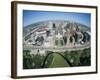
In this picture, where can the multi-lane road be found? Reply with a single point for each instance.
(55, 49)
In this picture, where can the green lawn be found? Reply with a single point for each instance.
(58, 61)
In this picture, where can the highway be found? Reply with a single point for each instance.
(56, 49)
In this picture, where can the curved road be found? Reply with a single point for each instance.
(55, 49)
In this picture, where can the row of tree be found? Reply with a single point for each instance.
(34, 61)
(73, 58)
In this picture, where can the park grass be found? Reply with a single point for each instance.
(58, 61)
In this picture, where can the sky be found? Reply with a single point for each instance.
(31, 17)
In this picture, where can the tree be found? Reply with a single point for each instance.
(85, 59)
